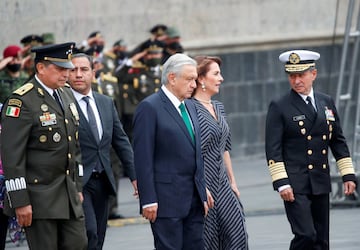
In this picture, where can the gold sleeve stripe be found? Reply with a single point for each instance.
(277, 170)
(345, 166)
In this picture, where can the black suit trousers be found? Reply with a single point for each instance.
(96, 207)
(309, 219)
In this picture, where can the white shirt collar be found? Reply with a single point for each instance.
(174, 100)
(311, 94)
(79, 96)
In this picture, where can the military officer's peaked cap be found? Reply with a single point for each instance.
(58, 54)
(95, 34)
(158, 30)
(297, 61)
(31, 39)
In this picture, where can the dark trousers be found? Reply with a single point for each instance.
(181, 233)
(96, 207)
(309, 219)
(57, 234)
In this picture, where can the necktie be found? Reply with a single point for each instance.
(57, 99)
(91, 119)
(187, 121)
(310, 105)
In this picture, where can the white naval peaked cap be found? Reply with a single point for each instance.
(297, 61)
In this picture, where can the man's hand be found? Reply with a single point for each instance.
(24, 215)
(81, 197)
(287, 194)
(210, 199)
(349, 187)
(5, 62)
(210, 202)
(136, 192)
(150, 213)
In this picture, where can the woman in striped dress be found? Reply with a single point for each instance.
(225, 223)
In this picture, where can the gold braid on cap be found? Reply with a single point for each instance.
(295, 65)
(277, 170)
(298, 67)
(345, 166)
(46, 58)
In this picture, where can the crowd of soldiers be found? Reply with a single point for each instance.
(126, 76)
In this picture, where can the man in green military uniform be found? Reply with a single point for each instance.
(11, 75)
(41, 160)
(139, 78)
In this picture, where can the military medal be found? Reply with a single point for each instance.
(44, 107)
(329, 114)
(47, 119)
(56, 137)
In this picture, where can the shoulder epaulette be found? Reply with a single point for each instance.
(24, 89)
(67, 85)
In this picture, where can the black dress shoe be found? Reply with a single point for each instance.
(115, 216)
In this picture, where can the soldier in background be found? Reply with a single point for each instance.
(11, 74)
(172, 43)
(93, 45)
(122, 55)
(158, 33)
(139, 78)
(29, 42)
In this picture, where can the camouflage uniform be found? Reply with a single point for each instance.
(8, 84)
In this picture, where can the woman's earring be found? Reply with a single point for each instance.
(203, 86)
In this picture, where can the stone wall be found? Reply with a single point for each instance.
(207, 25)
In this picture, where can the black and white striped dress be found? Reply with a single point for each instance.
(225, 223)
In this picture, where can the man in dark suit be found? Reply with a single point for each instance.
(99, 129)
(300, 128)
(168, 163)
(41, 159)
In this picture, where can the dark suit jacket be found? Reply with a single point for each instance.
(41, 146)
(168, 165)
(113, 135)
(301, 143)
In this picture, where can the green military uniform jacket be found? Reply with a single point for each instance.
(41, 152)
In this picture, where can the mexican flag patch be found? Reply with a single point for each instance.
(12, 111)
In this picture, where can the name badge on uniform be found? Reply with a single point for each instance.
(298, 118)
(329, 114)
(48, 119)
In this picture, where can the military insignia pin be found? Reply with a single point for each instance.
(56, 137)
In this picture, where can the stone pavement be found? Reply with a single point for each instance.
(266, 222)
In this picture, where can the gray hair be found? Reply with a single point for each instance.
(174, 65)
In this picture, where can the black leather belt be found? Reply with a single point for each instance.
(97, 175)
